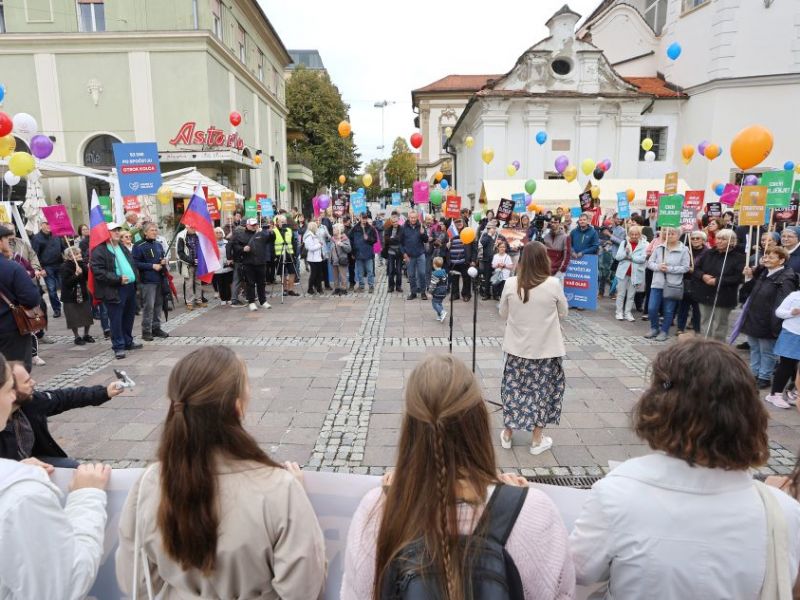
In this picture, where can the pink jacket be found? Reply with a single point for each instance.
(538, 545)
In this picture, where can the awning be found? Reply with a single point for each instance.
(195, 157)
(184, 182)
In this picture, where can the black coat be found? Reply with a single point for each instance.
(262, 246)
(106, 280)
(47, 404)
(70, 282)
(48, 248)
(710, 263)
(766, 294)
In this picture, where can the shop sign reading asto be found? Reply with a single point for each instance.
(212, 137)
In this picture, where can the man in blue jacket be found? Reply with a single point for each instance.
(362, 239)
(412, 245)
(151, 262)
(584, 239)
(49, 249)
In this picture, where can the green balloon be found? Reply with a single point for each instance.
(476, 216)
(283, 188)
(530, 186)
(436, 197)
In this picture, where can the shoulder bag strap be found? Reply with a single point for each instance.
(138, 548)
(777, 578)
(7, 301)
(502, 511)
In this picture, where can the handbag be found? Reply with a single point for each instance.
(672, 291)
(497, 277)
(28, 320)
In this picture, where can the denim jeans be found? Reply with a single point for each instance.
(657, 301)
(416, 274)
(121, 314)
(151, 307)
(100, 312)
(52, 280)
(762, 358)
(365, 270)
(436, 303)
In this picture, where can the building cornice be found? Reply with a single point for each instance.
(737, 82)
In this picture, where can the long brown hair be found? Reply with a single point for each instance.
(202, 424)
(533, 268)
(445, 439)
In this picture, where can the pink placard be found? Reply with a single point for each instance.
(730, 194)
(59, 221)
(422, 192)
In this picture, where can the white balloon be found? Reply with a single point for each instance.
(25, 126)
(649, 156)
(11, 179)
(472, 272)
(34, 176)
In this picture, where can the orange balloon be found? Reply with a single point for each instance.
(751, 146)
(630, 195)
(688, 152)
(342, 179)
(467, 235)
(344, 129)
(713, 151)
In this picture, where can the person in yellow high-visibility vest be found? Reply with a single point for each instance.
(284, 254)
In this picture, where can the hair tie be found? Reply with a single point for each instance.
(178, 406)
(667, 384)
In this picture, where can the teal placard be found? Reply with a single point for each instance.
(669, 210)
(779, 188)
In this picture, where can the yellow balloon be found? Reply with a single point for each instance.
(595, 191)
(487, 155)
(258, 160)
(8, 144)
(571, 173)
(511, 170)
(164, 194)
(587, 166)
(342, 179)
(797, 169)
(21, 164)
(438, 176)
(647, 144)
(367, 180)
(469, 142)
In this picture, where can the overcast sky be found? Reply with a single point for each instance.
(382, 50)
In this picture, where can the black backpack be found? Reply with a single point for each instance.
(492, 574)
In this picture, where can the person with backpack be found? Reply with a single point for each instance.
(447, 498)
(439, 288)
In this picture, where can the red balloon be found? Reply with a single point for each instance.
(235, 118)
(416, 140)
(6, 124)
(603, 167)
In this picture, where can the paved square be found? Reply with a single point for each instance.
(327, 378)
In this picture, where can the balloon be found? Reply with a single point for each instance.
(361, 191)
(604, 164)
(34, 176)
(562, 162)
(595, 192)
(2, 92)
(444, 183)
(674, 51)
(797, 169)
(587, 166)
(517, 165)
(436, 197)
(438, 176)
(467, 235)
(750, 180)
(511, 171)
(687, 152)
(344, 129)
(469, 142)
(788, 166)
(366, 180)
(6, 124)
(650, 156)
(630, 195)
(712, 151)
(541, 137)
(324, 201)
(164, 194)
(235, 118)
(42, 146)
(24, 125)
(342, 179)
(571, 173)
(283, 187)
(598, 173)
(647, 144)
(8, 144)
(487, 155)
(751, 146)
(531, 208)
(257, 159)
(11, 179)
(701, 147)
(719, 189)
(530, 186)
(21, 163)
(416, 140)
(448, 131)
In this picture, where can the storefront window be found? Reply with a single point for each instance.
(99, 154)
(91, 15)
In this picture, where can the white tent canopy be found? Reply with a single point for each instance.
(184, 182)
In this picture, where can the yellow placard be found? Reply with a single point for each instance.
(4, 216)
(671, 183)
(752, 210)
(228, 201)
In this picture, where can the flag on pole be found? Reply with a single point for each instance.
(98, 234)
(198, 218)
(452, 231)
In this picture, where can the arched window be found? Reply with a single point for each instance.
(99, 154)
(19, 191)
(277, 185)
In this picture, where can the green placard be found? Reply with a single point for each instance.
(669, 210)
(779, 188)
(105, 206)
(250, 209)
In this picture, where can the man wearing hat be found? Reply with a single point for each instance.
(249, 249)
(115, 285)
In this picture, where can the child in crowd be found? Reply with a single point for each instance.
(605, 260)
(502, 265)
(438, 288)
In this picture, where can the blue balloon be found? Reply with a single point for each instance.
(674, 50)
(788, 166)
(444, 184)
(719, 189)
(541, 137)
(2, 92)
(360, 191)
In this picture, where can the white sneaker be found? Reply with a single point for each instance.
(629, 317)
(619, 316)
(542, 446)
(253, 306)
(505, 442)
(774, 399)
(444, 314)
(266, 305)
(38, 361)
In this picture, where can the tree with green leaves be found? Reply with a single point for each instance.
(374, 168)
(401, 170)
(316, 108)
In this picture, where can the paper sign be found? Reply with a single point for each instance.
(59, 221)
(688, 220)
(669, 211)
(671, 183)
(422, 192)
(730, 194)
(694, 199)
(753, 206)
(105, 206)
(138, 168)
(779, 188)
(652, 198)
(580, 282)
(5, 213)
(250, 209)
(788, 215)
(714, 210)
(623, 206)
(212, 203)
(359, 203)
(131, 204)
(396, 198)
(519, 203)
(228, 201)
(452, 207)
(504, 209)
(586, 200)
(267, 208)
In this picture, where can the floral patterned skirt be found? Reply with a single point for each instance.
(532, 392)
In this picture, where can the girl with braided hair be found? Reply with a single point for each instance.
(436, 497)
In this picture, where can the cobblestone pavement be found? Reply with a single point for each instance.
(327, 378)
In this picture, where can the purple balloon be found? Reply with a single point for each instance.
(562, 162)
(701, 147)
(41, 146)
(607, 163)
(751, 180)
(516, 164)
(324, 201)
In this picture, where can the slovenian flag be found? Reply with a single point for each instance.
(98, 234)
(198, 218)
(452, 231)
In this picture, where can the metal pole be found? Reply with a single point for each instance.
(453, 274)
(474, 319)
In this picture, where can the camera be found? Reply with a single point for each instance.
(124, 380)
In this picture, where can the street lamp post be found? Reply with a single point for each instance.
(382, 105)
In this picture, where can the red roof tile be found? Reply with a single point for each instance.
(458, 83)
(655, 86)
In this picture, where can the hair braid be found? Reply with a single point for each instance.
(443, 508)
